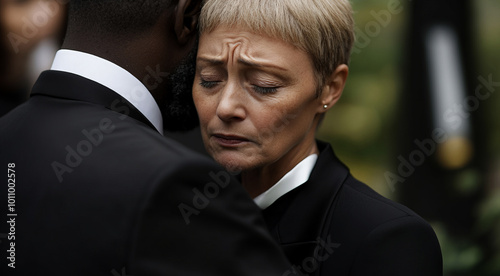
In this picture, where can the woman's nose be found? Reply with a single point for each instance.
(231, 105)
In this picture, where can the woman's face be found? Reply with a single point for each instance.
(256, 99)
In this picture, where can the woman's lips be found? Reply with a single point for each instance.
(228, 140)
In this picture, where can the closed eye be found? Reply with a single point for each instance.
(265, 90)
(208, 84)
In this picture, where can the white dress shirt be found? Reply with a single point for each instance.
(113, 77)
(293, 179)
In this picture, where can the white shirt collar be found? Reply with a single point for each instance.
(113, 77)
(293, 179)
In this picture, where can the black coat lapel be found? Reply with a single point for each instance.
(73, 87)
(298, 219)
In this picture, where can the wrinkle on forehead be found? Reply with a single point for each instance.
(230, 47)
(235, 47)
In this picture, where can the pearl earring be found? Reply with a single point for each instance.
(325, 106)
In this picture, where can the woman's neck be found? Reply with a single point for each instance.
(259, 180)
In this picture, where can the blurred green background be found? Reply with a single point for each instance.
(362, 127)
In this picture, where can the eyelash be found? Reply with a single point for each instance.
(256, 88)
(264, 90)
(208, 84)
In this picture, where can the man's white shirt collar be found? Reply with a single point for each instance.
(293, 179)
(113, 77)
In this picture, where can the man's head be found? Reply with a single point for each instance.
(116, 17)
(139, 35)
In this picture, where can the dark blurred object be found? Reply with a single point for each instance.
(31, 32)
(440, 171)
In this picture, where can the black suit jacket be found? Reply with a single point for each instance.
(336, 225)
(98, 191)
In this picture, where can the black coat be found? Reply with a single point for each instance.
(336, 225)
(100, 192)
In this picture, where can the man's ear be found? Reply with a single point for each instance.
(334, 86)
(187, 13)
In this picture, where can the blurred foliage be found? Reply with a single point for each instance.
(488, 14)
(362, 125)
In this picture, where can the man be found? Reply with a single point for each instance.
(93, 188)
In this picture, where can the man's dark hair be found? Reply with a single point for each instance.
(115, 17)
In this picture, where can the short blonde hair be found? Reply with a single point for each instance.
(321, 28)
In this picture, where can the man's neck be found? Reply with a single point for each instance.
(137, 57)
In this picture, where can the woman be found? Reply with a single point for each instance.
(267, 72)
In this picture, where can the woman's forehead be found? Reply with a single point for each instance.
(248, 48)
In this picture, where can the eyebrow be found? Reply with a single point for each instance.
(215, 61)
(211, 60)
(253, 64)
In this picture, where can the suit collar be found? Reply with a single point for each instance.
(290, 181)
(300, 216)
(73, 87)
(113, 77)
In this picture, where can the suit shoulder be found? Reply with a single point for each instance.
(404, 237)
(149, 146)
(371, 208)
(365, 224)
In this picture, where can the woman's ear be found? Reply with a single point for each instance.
(333, 87)
(187, 13)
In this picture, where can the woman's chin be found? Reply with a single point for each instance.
(232, 162)
(233, 166)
